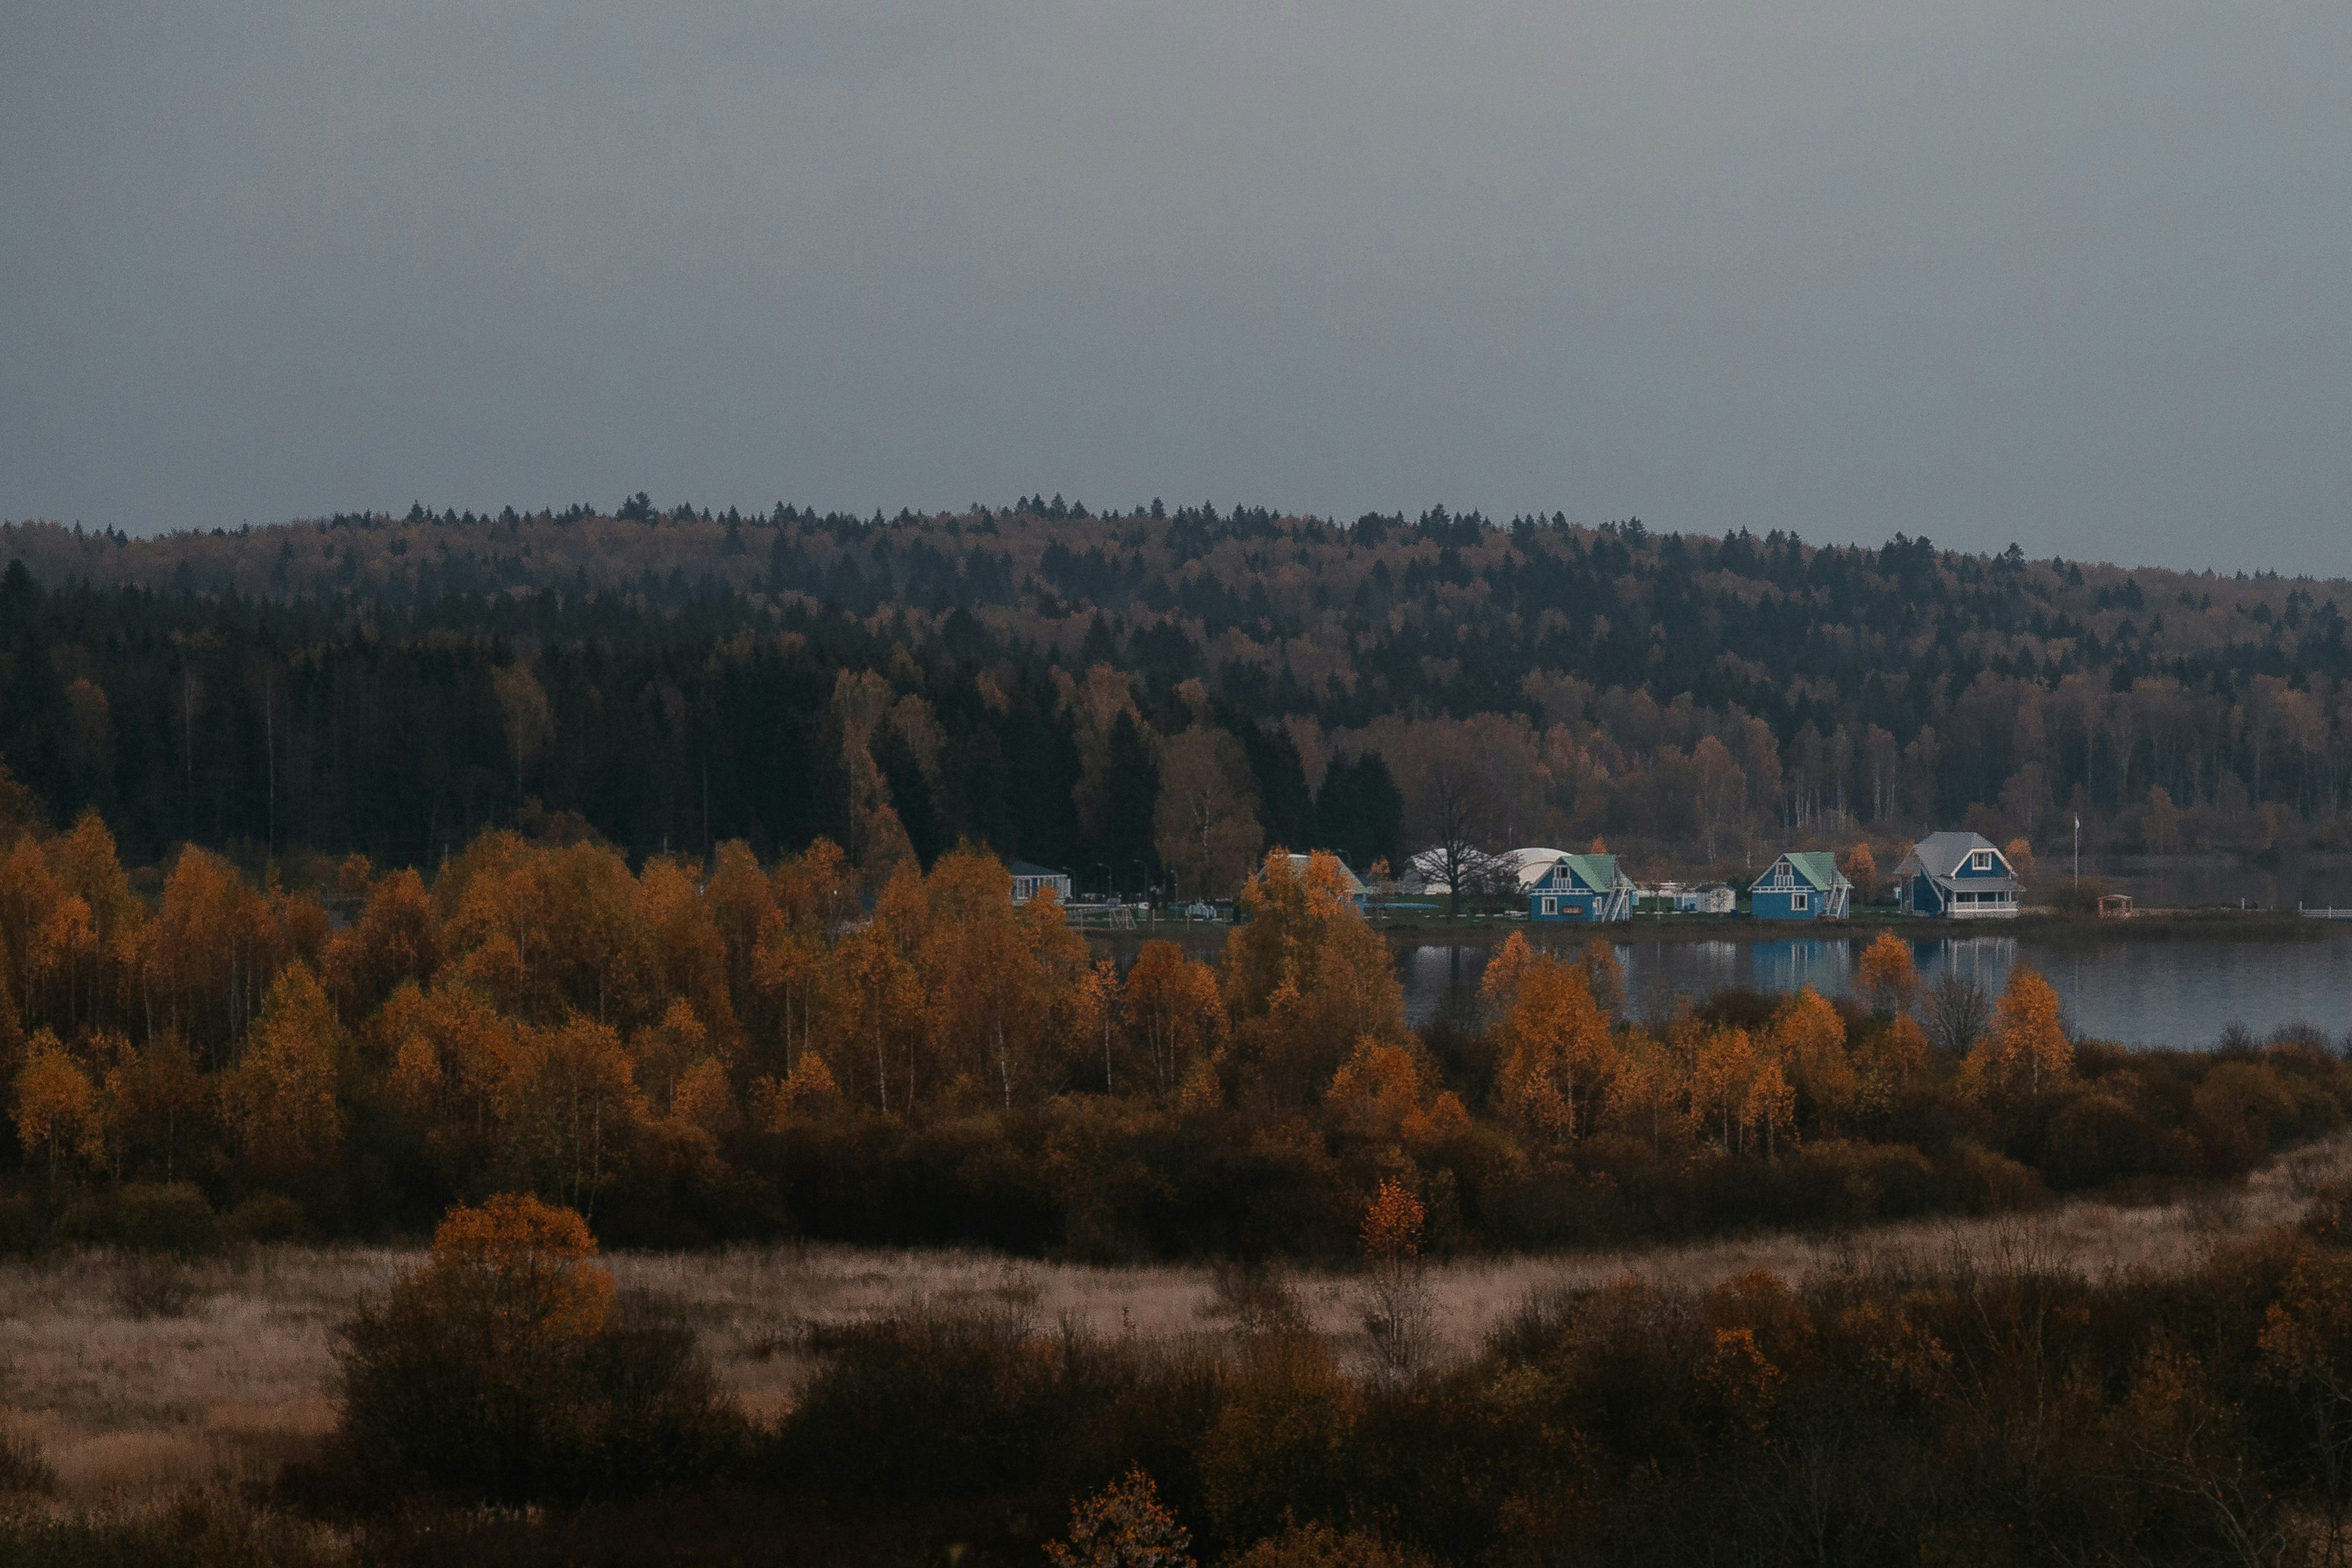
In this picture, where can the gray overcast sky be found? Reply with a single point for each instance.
(2074, 275)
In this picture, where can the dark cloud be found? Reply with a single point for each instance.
(2071, 274)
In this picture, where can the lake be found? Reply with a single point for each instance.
(2169, 992)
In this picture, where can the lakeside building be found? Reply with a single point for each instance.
(1802, 884)
(1029, 881)
(1582, 887)
(1956, 876)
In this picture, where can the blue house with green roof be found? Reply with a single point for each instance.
(1802, 884)
(1582, 887)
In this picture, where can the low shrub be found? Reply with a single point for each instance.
(506, 1369)
(983, 1402)
(173, 1219)
(267, 1217)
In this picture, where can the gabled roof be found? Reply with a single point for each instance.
(1023, 868)
(1941, 856)
(1598, 872)
(1817, 869)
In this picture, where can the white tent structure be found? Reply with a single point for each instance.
(1532, 863)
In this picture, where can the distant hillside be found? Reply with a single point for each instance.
(1684, 693)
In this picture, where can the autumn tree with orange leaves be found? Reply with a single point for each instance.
(1304, 978)
(1884, 976)
(1174, 1009)
(280, 1099)
(2025, 1055)
(1557, 1050)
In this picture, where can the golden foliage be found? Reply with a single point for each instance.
(1557, 1047)
(1861, 869)
(1720, 1077)
(1393, 1222)
(1884, 976)
(2026, 1054)
(1807, 1039)
(280, 1100)
(1304, 978)
(526, 1265)
(808, 1089)
(56, 1106)
(1125, 1525)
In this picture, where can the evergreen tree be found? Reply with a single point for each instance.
(1286, 807)
(1361, 812)
(1132, 778)
(910, 793)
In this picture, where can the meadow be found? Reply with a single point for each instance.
(222, 1387)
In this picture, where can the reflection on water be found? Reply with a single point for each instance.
(2173, 992)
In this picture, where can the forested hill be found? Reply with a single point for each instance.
(674, 674)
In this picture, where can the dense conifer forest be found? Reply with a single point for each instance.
(1068, 688)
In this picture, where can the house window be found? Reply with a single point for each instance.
(1980, 860)
(1552, 906)
(1797, 902)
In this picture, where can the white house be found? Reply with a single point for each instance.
(1029, 881)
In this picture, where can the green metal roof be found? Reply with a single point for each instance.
(1818, 867)
(1598, 872)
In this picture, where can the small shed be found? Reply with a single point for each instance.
(1802, 884)
(2115, 906)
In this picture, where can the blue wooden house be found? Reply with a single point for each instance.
(1802, 884)
(1582, 887)
(1956, 876)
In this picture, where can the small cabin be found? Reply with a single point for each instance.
(2115, 906)
(1029, 881)
(1582, 887)
(1802, 884)
(1956, 876)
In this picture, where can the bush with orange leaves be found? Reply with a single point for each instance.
(506, 1368)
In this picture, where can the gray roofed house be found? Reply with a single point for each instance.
(1956, 876)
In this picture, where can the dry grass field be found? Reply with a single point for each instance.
(133, 1407)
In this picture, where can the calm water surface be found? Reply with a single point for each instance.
(2154, 993)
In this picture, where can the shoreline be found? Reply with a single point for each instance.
(2048, 926)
